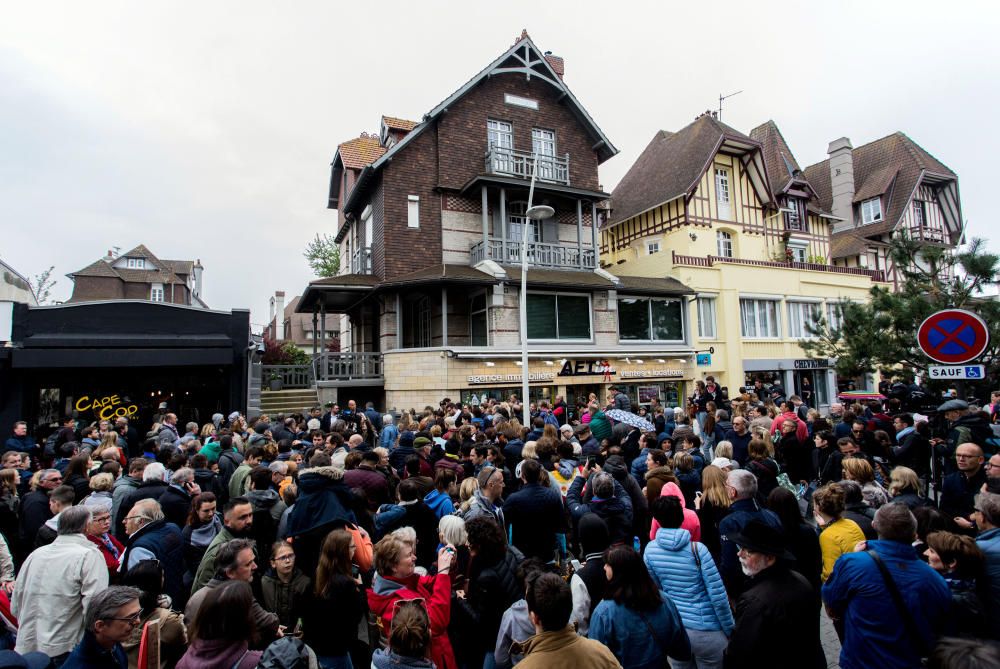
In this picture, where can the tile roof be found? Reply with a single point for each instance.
(162, 271)
(398, 123)
(180, 266)
(368, 280)
(97, 268)
(361, 152)
(653, 285)
(670, 166)
(778, 158)
(890, 167)
(442, 273)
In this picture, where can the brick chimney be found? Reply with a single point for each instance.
(557, 63)
(842, 182)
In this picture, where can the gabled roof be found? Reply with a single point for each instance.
(782, 169)
(522, 57)
(891, 168)
(672, 165)
(360, 152)
(162, 271)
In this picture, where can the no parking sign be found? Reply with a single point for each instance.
(953, 336)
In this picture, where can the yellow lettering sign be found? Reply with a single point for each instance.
(106, 408)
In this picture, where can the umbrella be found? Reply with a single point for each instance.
(629, 418)
(860, 395)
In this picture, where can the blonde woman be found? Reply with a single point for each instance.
(860, 470)
(467, 493)
(905, 488)
(712, 505)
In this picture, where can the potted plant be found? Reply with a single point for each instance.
(274, 381)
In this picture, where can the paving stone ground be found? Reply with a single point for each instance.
(831, 644)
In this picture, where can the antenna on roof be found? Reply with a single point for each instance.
(723, 97)
(118, 250)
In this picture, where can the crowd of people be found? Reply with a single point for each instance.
(456, 537)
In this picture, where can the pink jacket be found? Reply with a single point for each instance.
(691, 522)
(801, 429)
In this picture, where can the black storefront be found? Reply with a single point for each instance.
(107, 359)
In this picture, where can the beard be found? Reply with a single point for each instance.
(749, 569)
(245, 533)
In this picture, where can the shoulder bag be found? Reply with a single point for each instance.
(904, 613)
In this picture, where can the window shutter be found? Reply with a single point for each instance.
(550, 231)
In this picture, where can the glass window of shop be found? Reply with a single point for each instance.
(766, 375)
(474, 396)
(643, 319)
(669, 393)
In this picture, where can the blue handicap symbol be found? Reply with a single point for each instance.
(949, 335)
(972, 372)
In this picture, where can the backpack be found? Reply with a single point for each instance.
(50, 446)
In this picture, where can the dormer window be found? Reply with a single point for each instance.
(135, 263)
(871, 211)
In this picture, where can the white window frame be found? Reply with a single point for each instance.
(649, 308)
(413, 211)
(799, 249)
(798, 312)
(707, 323)
(156, 293)
(834, 317)
(723, 193)
(590, 313)
(871, 211)
(135, 263)
(795, 221)
(724, 244)
(652, 247)
(763, 314)
(919, 219)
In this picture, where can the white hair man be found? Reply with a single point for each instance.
(55, 586)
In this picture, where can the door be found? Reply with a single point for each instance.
(543, 144)
(722, 194)
(500, 135)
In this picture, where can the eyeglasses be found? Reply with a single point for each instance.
(400, 603)
(965, 456)
(131, 620)
(285, 558)
(990, 465)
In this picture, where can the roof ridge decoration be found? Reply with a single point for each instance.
(529, 60)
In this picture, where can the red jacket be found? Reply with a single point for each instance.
(436, 593)
(109, 558)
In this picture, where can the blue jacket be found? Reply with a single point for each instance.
(440, 503)
(638, 468)
(88, 654)
(989, 543)
(874, 634)
(25, 444)
(699, 594)
(534, 515)
(387, 438)
(626, 633)
(741, 512)
(741, 445)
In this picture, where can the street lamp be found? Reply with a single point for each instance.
(533, 213)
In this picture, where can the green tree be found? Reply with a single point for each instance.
(323, 256)
(882, 333)
(42, 285)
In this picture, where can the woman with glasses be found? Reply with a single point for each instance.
(223, 630)
(99, 533)
(147, 578)
(336, 606)
(283, 586)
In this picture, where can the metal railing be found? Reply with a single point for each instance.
(346, 366)
(709, 261)
(552, 256)
(519, 164)
(361, 261)
(291, 376)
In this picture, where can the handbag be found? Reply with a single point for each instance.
(363, 550)
(904, 613)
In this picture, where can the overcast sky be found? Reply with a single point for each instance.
(205, 130)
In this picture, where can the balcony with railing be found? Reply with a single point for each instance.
(510, 162)
(549, 256)
(710, 261)
(348, 366)
(361, 261)
(922, 233)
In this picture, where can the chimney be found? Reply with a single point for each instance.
(557, 63)
(278, 307)
(197, 269)
(842, 182)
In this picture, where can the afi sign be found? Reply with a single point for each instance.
(953, 336)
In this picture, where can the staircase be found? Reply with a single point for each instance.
(288, 401)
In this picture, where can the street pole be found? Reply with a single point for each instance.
(532, 213)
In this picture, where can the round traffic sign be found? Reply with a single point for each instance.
(953, 336)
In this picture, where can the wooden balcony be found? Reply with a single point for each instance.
(510, 162)
(549, 256)
(920, 233)
(336, 367)
(710, 261)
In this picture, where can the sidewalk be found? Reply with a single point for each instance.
(831, 644)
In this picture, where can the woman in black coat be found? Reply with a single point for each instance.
(491, 589)
(801, 537)
(76, 476)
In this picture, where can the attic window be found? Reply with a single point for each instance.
(518, 101)
(871, 211)
(135, 263)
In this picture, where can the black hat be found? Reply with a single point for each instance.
(760, 537)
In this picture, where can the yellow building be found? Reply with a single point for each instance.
(732, 217)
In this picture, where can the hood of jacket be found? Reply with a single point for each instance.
(675, 539)
(262, 499)
(203, 535)
(324, 499)
(616, 467)
(672, 489)
(386, 659)
(546, 642)
(663, 472)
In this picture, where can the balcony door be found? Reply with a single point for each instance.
(543, 144)
(500, 135)
(516, 222)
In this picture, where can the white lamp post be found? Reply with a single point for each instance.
(533, 213)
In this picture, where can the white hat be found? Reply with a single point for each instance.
(723, 463)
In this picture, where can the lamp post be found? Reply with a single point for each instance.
(533, 213)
